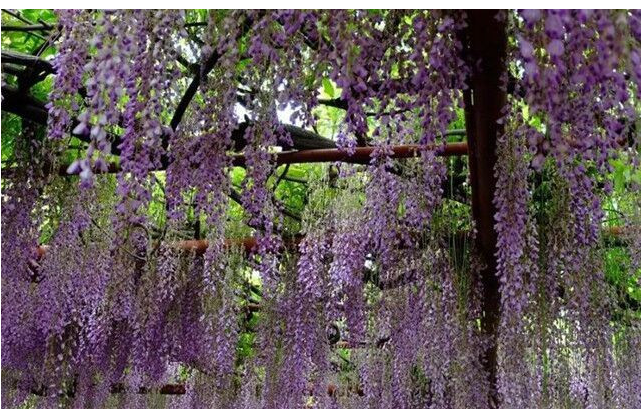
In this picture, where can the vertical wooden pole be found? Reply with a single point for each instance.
(485, 47)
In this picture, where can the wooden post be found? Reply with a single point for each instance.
(485, 48)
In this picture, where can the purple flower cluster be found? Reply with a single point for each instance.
(580, 86)
(375, 306)
(72, 53)
(199, 155)
(148, 87)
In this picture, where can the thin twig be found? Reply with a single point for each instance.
(295, 179)
(207, 66)
(280, 178)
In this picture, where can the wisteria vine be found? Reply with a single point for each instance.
(122, 290)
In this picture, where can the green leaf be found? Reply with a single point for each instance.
(328, 88)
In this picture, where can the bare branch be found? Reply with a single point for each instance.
(26, 29)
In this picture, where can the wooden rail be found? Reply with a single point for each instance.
(362, 155)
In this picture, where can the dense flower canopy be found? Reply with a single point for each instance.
(150, 255)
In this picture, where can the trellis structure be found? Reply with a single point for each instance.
(485, 41)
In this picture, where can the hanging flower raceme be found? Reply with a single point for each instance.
(23, 341)
(72, 53)
(306, 318)
(513, 264)
(148, 88)
(573, 77)
(571, 92)
(199, 158)
(107, 71)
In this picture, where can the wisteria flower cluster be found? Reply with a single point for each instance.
(128, 280)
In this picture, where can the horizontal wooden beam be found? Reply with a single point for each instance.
(362, 155)
(199, 246)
